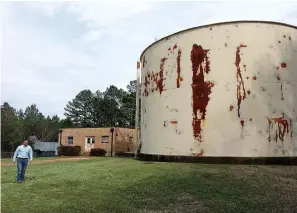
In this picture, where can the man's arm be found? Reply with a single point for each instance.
(31, 154)
(15, 154)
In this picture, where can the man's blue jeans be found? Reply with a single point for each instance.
(22, 165)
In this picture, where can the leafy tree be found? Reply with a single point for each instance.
(66, 123)
(81, 109)
(112, 103)
(50, 127)
(131, 87)
(10, 134)
(33, 122)
(129, 104)
(99, 116)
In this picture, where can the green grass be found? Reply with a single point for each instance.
(126, 185)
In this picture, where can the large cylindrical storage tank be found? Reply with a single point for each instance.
(221, 90)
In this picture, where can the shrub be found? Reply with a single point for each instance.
(69, 150)
(97, 152)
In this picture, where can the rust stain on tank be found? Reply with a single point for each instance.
(146, 83)
(254, 78)
(242, 124)
(160, 85)
(241, 94)
(173, 122)
(282, 93)
(248, 92)
(277, 67)
(284, 126)
(207, 63)
(283, 65)
(200, 154)
(290, 38)
(178, 80)
(201, 89)
(174, 47)
(251, 119)
(231, 108)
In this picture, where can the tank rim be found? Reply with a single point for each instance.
(214, 24)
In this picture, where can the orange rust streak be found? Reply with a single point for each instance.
(198, 154)
(282, 127)
(240, 82)
(283, 65)
(201, 89)
(173, 122)
(158, 79)
(242, 124)
(178, 69)
(146, 84)
(231, 108)
(282, 93)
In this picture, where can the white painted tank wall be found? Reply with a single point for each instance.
(268, 62)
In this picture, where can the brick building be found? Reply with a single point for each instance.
(117, 140)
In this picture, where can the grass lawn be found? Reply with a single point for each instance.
(126, 185)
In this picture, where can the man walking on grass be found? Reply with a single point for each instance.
(22, 154)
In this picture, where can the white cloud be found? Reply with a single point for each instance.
(107, 13)
(92, 36)
(48, 8)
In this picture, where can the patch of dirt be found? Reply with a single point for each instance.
(58, 159)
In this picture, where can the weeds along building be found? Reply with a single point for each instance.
(114, 141)
(226, 90)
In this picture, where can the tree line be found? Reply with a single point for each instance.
(112, 108)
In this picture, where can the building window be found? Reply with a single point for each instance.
(105, 139)
(70, 140)
(90, 139)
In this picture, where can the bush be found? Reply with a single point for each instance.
(97, 152)
(69, 150)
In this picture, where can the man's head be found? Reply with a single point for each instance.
(25, 142)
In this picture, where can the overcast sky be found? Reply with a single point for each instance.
(51, 51)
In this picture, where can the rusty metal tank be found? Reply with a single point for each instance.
(221, 90)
